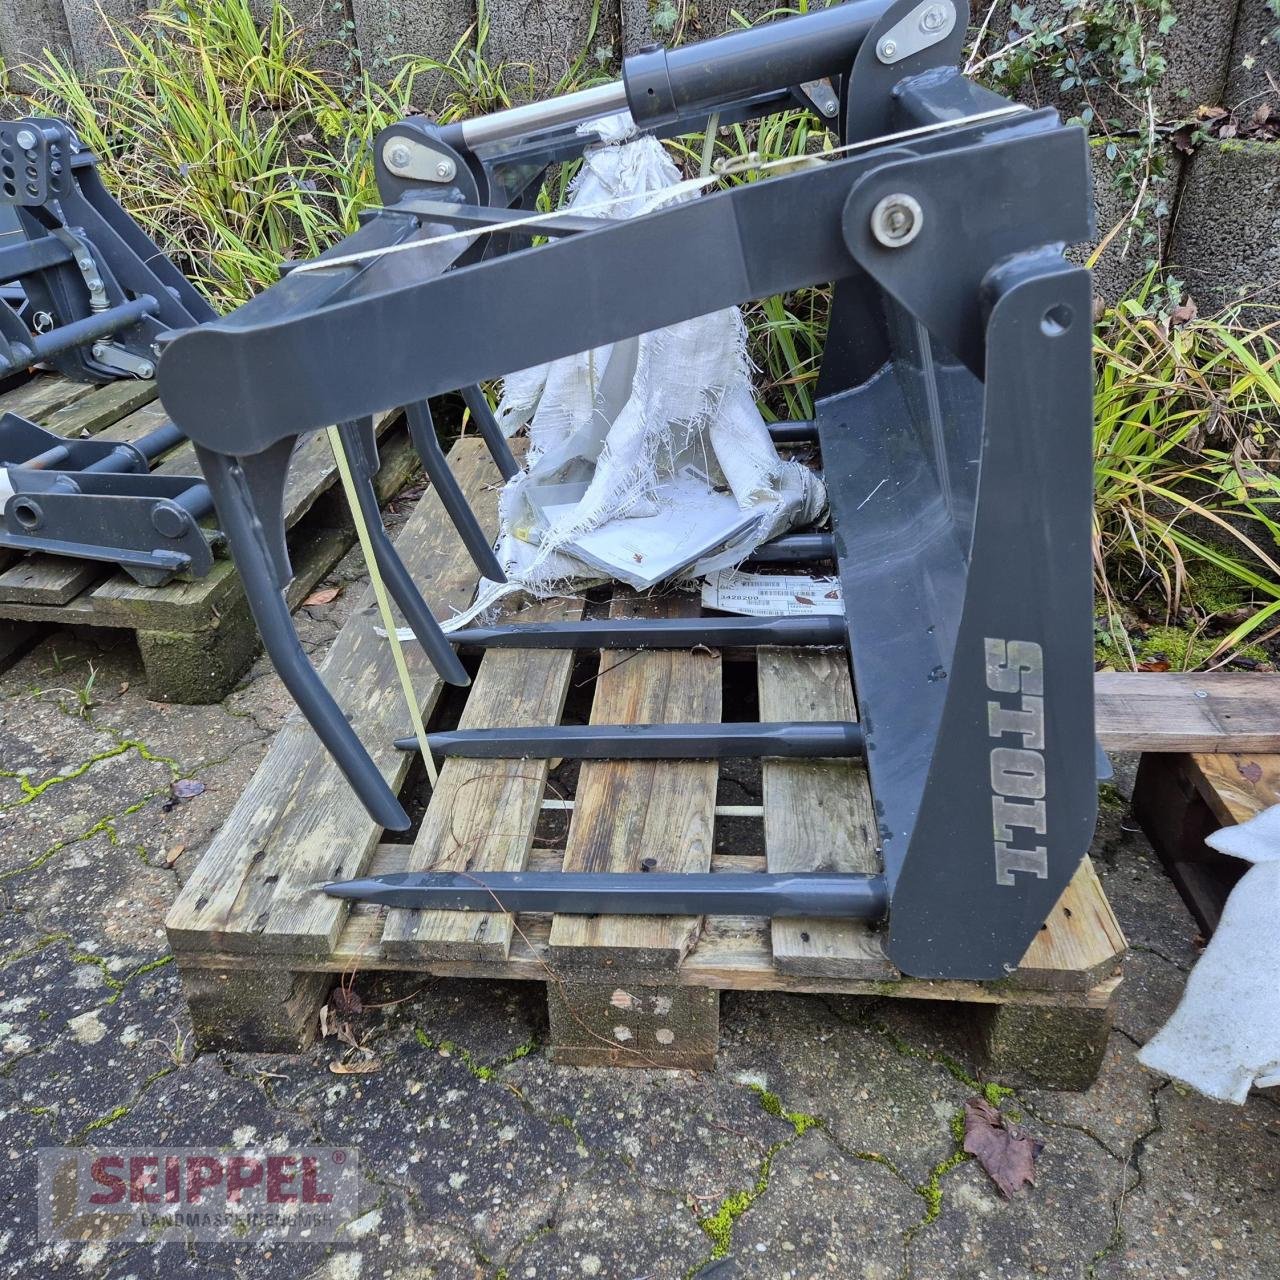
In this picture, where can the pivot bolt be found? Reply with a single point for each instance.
(26, 139)
(99, 350)
(445, 169)
(398, 157)
(887, 49)
(146, 369)
(934, 18)
(896, 220)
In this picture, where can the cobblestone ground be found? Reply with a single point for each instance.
(822, 1145)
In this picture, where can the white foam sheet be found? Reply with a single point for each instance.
(1224, 1036)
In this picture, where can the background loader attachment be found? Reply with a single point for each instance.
(85, 291)
(954, 413)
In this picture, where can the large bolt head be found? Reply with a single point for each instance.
(398, 157)
(26, 139)
(896, 220)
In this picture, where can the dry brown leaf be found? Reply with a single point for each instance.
(326, 595)
(172, 855)
(1005, 1150)
(361, 1068)
(345, 1000)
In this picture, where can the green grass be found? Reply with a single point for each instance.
(1185, 526)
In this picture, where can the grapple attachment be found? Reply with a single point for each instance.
(88, 291)
(953, 412)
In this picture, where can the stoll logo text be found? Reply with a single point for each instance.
(1016, 667)
(197, 1193)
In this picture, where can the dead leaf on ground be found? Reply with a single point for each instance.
(172, 855)
(1159, 664)
(182, 789)
(361, 1068)
(1005, 1150)
(326, 595)
(345, 1000)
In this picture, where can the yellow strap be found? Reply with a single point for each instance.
(384, 604)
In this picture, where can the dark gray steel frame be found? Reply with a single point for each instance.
(954, 414)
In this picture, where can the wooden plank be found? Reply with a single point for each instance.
(483, 813)
(732, 953)
(1176, 711)
(297, 823)
(634, 813)
(43, 395)
(105, 405)
(53, 580)
(1236, 786)
(818, 814)
(1181, 800)
(1081, 942)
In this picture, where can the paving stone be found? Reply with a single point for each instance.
(695, 1135)
(1118, 1110)
(1208, 1203)
(820, 1212)
(98, 890)
(1052, 1229)
(1150, 910)
(466, 1151)
(1150, 992)
(874, 1090)
(94, 1065)
(84, 777)
(610, 1223)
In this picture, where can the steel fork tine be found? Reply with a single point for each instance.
(399, 582)
(265, 574)
(436, 465)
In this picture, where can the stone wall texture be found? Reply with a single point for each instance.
(1220, 230)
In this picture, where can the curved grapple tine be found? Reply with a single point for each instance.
(362, 447)
(252, 518)
(423, 434)
(499, 449)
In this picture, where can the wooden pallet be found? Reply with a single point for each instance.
(196, 637)
(258, 945)
(1180, 799)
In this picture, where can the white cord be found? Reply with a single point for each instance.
(751, 162)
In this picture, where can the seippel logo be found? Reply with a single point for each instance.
(1015, 670)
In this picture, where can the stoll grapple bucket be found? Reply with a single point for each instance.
(953, 412)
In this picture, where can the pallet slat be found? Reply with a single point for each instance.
(43, 395)
(1176, 711)
(296, 823)
(732, 952)
(630, 814)
(483, 813)
(818, 814)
